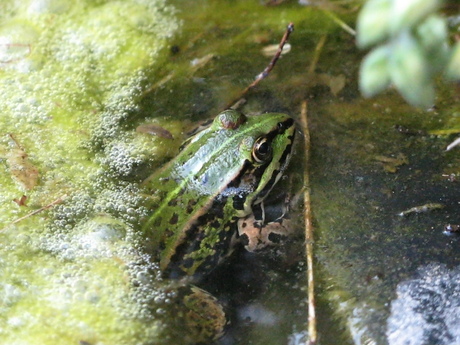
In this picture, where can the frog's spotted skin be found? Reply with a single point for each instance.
(222, 171)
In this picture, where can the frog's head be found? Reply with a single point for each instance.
(265, 146)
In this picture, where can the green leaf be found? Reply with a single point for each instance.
(374, 75)
(453, 67)
(410, 71)
(408, 13)
(432, 35)
(373, 22)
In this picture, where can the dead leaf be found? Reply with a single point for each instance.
(21, 169)
(334, 83)
(21, 201)
(153, 129)
(391, 164)
(271, 49)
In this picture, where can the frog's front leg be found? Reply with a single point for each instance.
(256, 234)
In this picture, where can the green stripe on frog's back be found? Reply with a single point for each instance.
(190, 194)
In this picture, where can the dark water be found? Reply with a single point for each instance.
(370, 161)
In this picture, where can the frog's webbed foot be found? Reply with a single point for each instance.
(256, 234)
(269, 225)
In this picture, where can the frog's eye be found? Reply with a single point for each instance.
(262, 150)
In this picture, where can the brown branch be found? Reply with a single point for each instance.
(312, 331)
(270, 66)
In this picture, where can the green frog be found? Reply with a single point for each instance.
(202, 204)
(199, 199)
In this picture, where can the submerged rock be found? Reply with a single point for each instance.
(427, 308)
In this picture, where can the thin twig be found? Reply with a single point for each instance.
(267, 70)
(341, 23)
(41, 209)
(316, 55)
(312, 331)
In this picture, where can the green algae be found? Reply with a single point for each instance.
(68, 74)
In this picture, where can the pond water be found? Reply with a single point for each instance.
(370, 161)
